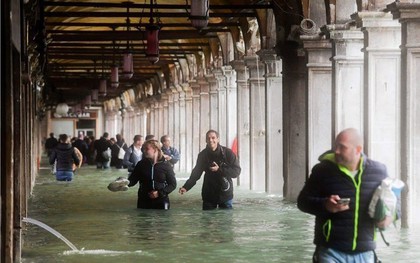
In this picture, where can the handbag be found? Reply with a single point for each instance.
(121, 152)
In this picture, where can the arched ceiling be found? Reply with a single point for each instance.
(84, 38)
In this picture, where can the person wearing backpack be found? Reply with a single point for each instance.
(220, 166)
(117, 155)
(338, 193)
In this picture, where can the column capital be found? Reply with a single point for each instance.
(256, 67)
(238, 65)
(374, 20)
(404, 11)
(273, 64)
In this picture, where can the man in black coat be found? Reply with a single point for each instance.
(64, 156)
(102, 145)
(50, 144)
(220, 166)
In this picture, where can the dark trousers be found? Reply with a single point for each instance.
(211, 205)
(159, 203)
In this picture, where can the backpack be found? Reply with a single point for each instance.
(121, 152)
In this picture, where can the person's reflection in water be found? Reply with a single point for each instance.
(216, 226)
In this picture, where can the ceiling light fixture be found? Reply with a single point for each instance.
(114, 68)
(128, 70)
(152, 36)
(199, 15)
(102, 81)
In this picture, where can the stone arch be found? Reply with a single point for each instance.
(227, 47)
(184, 71)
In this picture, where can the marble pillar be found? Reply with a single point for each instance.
(170, 112)
(231, 105)
(319, 74)
(165, 112)
(348, 96)
(181, 145)
(257, 124)
(408, 15)
(204, 111)
(177, 117)
(221, 100)
(196, 108)
(274, 121)
(243, 121)
(186, 153)
(382, 80)
(213, 102)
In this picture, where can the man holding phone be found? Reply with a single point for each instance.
(338, 193)
(220, 166)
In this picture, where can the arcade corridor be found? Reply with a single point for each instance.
(278, 79)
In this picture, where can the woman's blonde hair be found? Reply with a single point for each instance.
(155, 144)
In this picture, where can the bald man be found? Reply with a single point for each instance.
(338, 193)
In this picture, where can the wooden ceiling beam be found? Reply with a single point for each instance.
(142, 14)
(154, 6)
(132, 25)
(123, 36)
(132, 45)
(117, 51)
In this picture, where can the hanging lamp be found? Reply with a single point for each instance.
(88, 101)
(62, 109)
(102, 80)
(199, 13)
(94, 91)
(127, 71)
(114, 68)
(152, 37)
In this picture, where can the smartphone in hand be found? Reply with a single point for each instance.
(343, 201)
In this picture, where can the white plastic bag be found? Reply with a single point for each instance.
(383, 205)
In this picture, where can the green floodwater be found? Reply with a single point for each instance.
(107, 227)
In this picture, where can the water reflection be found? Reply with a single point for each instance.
(107, 227)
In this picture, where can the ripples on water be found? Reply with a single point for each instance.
(109, 227)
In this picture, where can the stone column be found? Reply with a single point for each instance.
(204, 111)
(295, 103)
(320, 131)
(408, 15)
(153, 116)
(231, 105)
(257, 127)
(347, 60)
(274, 121)
(177, 121)
(160, 122)
(243, 116)
(141, 115)
(221, 99)
(382, 81)
(170, 112)
(186, 153)
(196, 108)
(181, 145)
(165, 117)
(213, 102)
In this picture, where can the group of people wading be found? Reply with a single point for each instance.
(150, 164)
